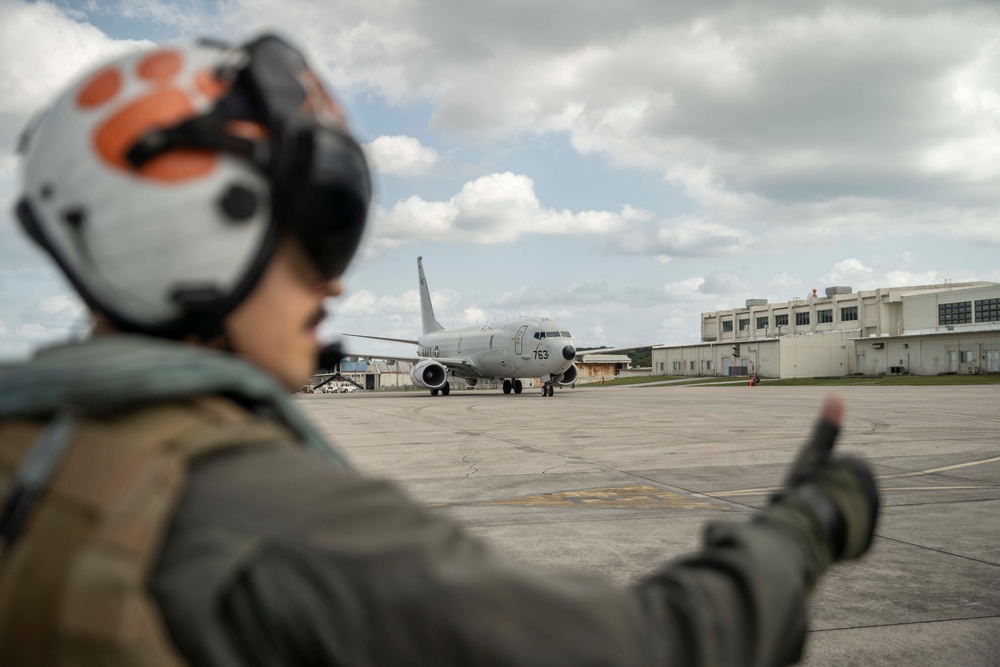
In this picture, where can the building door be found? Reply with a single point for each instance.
(993, 361)
(860, 361)
(725, 366)
(953, 362)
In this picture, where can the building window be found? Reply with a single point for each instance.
(781, 320)
(745, 324)
(955, 313)
(762, 322)
(849, 314)
(988, 310)
(677, 365)
(692, 366)
(966, 356)
(824, 316)
(801, 319)
(727, 325)
(709, 365)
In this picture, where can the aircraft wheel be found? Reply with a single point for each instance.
(446, 389)
(434, 392)
(506, 386)
(545, 391)
(518, 386)
(552, 390)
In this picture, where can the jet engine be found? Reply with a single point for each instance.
(472, 382)
(429, 374)
(569, 375)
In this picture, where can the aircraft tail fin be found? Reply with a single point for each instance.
(427, 320)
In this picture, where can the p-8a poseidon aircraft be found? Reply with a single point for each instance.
(526, 347)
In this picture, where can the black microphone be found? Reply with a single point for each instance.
(329, 356)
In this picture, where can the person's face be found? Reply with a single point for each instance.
(275, 327)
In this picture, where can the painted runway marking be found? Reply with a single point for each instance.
(934, 470)
(635, 496)
(929, 471)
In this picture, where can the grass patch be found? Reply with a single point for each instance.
(885, 381)
(618, 382)
(849, 381)
(679, 379)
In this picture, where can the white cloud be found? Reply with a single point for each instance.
(474, 315)
(41, 50)
(367, 302)
(724, 283)
(855, 273)
(400, 155)
(765, 117)
(4, 331)
(34, 331)
(497, 208)
(62, 305)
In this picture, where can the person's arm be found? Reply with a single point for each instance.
(367, 577)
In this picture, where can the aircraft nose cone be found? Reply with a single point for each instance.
(569, 352)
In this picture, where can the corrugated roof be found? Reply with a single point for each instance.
(358, 366)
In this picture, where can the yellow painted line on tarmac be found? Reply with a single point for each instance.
(644, 496)
(635, 496)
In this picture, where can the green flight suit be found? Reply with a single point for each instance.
(285, 556)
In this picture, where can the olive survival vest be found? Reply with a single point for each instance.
(86, 505)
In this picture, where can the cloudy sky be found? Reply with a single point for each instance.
(620, 167)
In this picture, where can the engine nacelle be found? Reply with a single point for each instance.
(569, 375)
(428, 374)
(472, 382)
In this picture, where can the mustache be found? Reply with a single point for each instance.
(316, 318)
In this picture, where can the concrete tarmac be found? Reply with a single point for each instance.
(613, 481)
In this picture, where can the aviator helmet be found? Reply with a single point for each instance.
(162, 181)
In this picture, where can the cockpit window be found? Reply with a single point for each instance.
(539, 335)
(552, 334)
(565, 334)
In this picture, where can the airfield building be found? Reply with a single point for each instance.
(920, 330)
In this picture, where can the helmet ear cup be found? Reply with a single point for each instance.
(238, 203)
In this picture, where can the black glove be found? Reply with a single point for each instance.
(839, 491)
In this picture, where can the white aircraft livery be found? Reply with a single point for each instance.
(526, 347)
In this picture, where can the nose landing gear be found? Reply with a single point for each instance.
(548, 390)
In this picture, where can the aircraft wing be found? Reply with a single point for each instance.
(453, 363)
(609, 350)
(394, 340)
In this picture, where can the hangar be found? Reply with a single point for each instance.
(920, 330)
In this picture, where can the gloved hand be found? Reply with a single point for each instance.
(839, 491)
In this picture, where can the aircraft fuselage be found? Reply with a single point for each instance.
(526, 347)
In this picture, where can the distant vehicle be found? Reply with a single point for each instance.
(491, 351)
(347, 389)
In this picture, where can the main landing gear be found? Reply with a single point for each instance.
(515, 385)
(445, 390)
